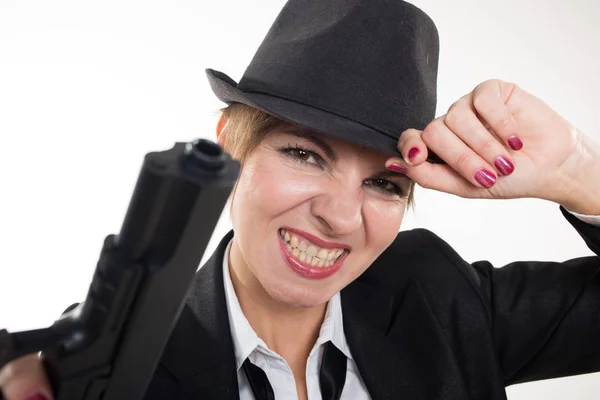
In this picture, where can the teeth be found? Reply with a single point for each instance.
(322, 254)
(294, 241)
(308, 252)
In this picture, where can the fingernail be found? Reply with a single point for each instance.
(504, 166)
(485, 178)
(397, 168)
(37, 396)
(412, 153)
(515, 143)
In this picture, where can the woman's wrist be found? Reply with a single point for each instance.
(580, 190)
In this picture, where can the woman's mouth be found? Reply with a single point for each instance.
(307, 259)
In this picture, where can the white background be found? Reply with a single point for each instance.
(87, 89)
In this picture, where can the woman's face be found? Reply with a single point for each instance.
(310, 213)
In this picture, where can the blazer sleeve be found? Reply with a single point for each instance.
(545, 316)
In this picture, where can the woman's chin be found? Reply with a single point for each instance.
(294, 296)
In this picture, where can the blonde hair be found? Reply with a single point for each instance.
(246, 128)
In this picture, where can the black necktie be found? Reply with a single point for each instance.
(332, 376)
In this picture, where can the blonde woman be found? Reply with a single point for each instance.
(314, 294)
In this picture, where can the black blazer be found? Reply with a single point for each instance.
(421, 324)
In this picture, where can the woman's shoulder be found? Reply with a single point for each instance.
(417, 246)
(421, 255)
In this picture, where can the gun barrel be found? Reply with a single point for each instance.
(143, 275)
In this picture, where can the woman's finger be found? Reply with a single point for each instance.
(445, 179)
(412, 147)
(25, 379)
(462, 120)
(463, 159)
(489, 101)
(440, 177)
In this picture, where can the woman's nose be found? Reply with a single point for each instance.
(339, 210)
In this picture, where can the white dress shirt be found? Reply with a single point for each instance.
(247, 344)
(590, 219)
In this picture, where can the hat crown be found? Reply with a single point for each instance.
(360, 70)
(352, 55)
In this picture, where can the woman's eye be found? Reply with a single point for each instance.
(302, 155)
(385, 186)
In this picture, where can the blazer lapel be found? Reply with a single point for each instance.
(398, 346)
(200, 351)
(397, 343)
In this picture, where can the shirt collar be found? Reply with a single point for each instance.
(334, 323)
(245, 339)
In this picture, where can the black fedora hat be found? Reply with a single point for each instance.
(360, 70)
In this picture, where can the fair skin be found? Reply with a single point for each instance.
(346, 197)
(556, 163)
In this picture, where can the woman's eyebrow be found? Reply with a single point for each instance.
(317, 141)
(390, 174)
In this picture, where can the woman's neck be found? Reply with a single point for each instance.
(289, 331)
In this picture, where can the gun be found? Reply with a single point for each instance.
(108, 346)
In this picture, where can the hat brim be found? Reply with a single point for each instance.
(313, 118)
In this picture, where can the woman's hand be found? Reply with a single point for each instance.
(25, 379)
(501, 142)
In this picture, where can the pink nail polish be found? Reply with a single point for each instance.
(413, 153)
(401, 169)
(504, 166)
(485, 178)
(37, 396)
(515, 143)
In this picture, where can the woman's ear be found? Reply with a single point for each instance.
(220, 125)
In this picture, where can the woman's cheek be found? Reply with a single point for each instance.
(289, 185)
(383, 220)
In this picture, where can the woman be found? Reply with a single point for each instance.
(315, 294)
